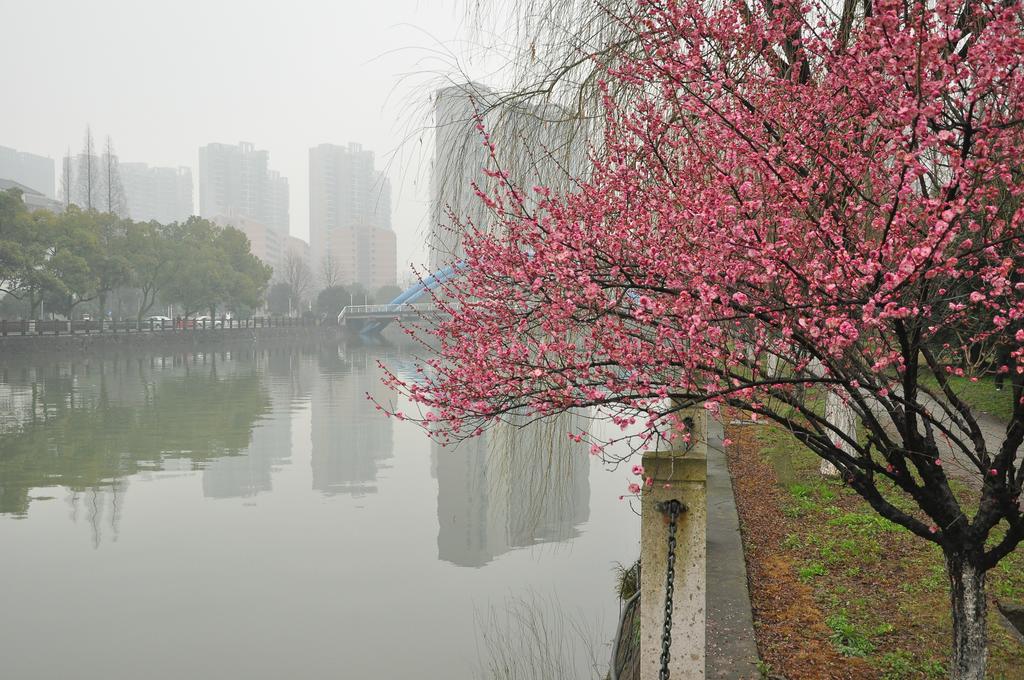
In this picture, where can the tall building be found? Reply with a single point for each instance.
(458, 163)
(350, 216)
(537, 143)
(155, 193)
(235, 181)
(35, 172)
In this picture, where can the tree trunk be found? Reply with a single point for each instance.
(841, 416)
(970, 638)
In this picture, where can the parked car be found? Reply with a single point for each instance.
(207, 322)
(157, 318)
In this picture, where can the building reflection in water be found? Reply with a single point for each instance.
(511, 487)
(250, 473)
(88, 425)
(351, 441)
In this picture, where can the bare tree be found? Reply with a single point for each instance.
(298, 277)
(113, 189)
(330, 272)
(66, 185)
(87, 183)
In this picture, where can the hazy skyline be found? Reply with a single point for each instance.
(163, 80)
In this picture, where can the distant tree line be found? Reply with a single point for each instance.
(295, 284)
(85, 259)
(282, 299)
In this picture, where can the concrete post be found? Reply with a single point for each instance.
(680, 475)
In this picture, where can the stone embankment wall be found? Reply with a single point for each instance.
(170, 340)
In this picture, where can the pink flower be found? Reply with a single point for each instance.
(634, 488)
(977, 297)
(727, 442)
(638, 469)
(993, 472)
(938, 461)
(933, 529)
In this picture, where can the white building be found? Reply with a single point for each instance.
(537, 143)
(236, 181)
(350, 216)
(33, 200)
(35, 172)
(157, 193)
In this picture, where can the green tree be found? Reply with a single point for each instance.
(109, 262)
(246, 279)
(331, 301)
(75, 261)
(193, 282)
(278, 298)
(24, 247)
(213, 267)
(15, 239)
(151, 256)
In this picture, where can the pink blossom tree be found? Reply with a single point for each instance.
(798, 201)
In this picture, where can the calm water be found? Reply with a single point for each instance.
(249, 514)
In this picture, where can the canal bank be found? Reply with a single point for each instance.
(181, 339)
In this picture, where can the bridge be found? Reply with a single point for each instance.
(375, 318)
(384, 314)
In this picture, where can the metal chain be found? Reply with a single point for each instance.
(673, 509)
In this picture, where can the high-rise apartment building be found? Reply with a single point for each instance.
(155, 193)
(235, 180)
(350, 216)
(458, 163)
(35, 172)
(535, 143)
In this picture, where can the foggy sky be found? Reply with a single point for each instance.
(164, 78)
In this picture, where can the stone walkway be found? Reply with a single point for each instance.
(731, 647)
(994, 431)
(956, 464)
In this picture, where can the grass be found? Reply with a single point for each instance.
(847, 638)
(882, 591)
(981, 394)
(809, 572)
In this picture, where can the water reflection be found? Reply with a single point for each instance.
(86, 425)
(90, 425)
(350, 441)
(514, 486)
(249, 474)
(238, 494)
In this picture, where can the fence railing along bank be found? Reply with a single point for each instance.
(59, 327)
